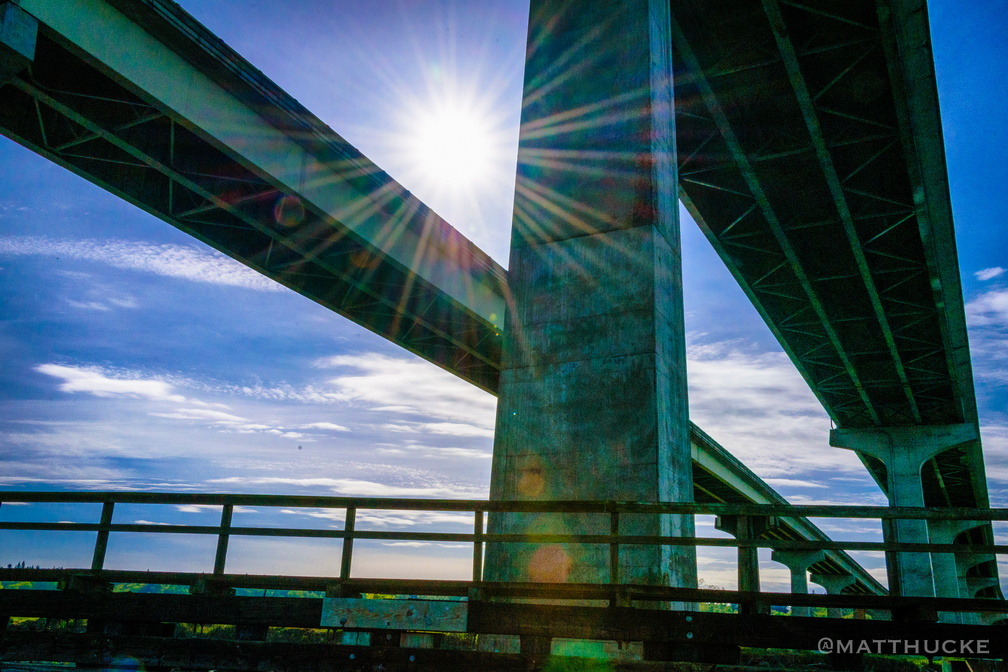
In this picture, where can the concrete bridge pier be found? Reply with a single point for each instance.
(834, 585)
(903, 451)
(798, 562)
(949, 569)
(746, 528)
(592, 401)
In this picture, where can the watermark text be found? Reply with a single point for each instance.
(906, 647)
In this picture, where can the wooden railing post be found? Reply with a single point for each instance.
(478, 547)
(614, 549)
(101, 542)
(222, 538)
(348, 530)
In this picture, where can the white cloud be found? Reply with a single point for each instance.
(173, 261)
(213, 508)
(413, 386)
(988, 273)
(990, 308)
(104, 304)
(995, 442)
(103, 382)
(456, 429)
(460, 453)
(792, 483)
(408, 544)
(382, 518)
(987, 317)
(206, 414)
(758, 406)
(353, 487)
(88, 305)
(326, 426)
(94, 381)
(444, 428)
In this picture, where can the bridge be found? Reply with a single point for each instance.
(857, 278)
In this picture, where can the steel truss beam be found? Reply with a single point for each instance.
(95, 127)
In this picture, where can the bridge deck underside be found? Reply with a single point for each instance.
(797, 157)
(792, 159)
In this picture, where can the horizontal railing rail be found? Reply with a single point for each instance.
(479, 537)
(471, 505)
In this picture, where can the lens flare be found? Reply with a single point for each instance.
(550, 564)
(289, 211)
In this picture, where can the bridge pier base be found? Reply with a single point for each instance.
(592, 399)
(903, 451)
(746, 528)
(798, 562)
(949, 570)
(834, 585)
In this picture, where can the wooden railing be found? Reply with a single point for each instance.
(479, 537)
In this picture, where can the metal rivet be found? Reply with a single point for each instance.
(689, 619)
(689, 635)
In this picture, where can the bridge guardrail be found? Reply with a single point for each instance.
(479, 537)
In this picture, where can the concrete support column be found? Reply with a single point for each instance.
(746, 528)
(903, 451)
(949, 576)
(975, 573)
(834, 585)
(592, 402)
(798, 562)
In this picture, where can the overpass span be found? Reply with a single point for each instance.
(812, 159)
(150, 105)
(857, 277)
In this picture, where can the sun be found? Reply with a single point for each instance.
(453, 145)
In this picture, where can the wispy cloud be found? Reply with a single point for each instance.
(326, 426)
(444, 428)
(353, 487)
(204, 414)
(172, 261)
(987, 318)
(95, 381)
(989, 273)
(104, 382)
(413, 386)
(990, 308)
(387, 518)
(759, 407)
(213, 508)
(792, 483)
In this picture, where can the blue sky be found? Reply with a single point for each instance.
(134, 357)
